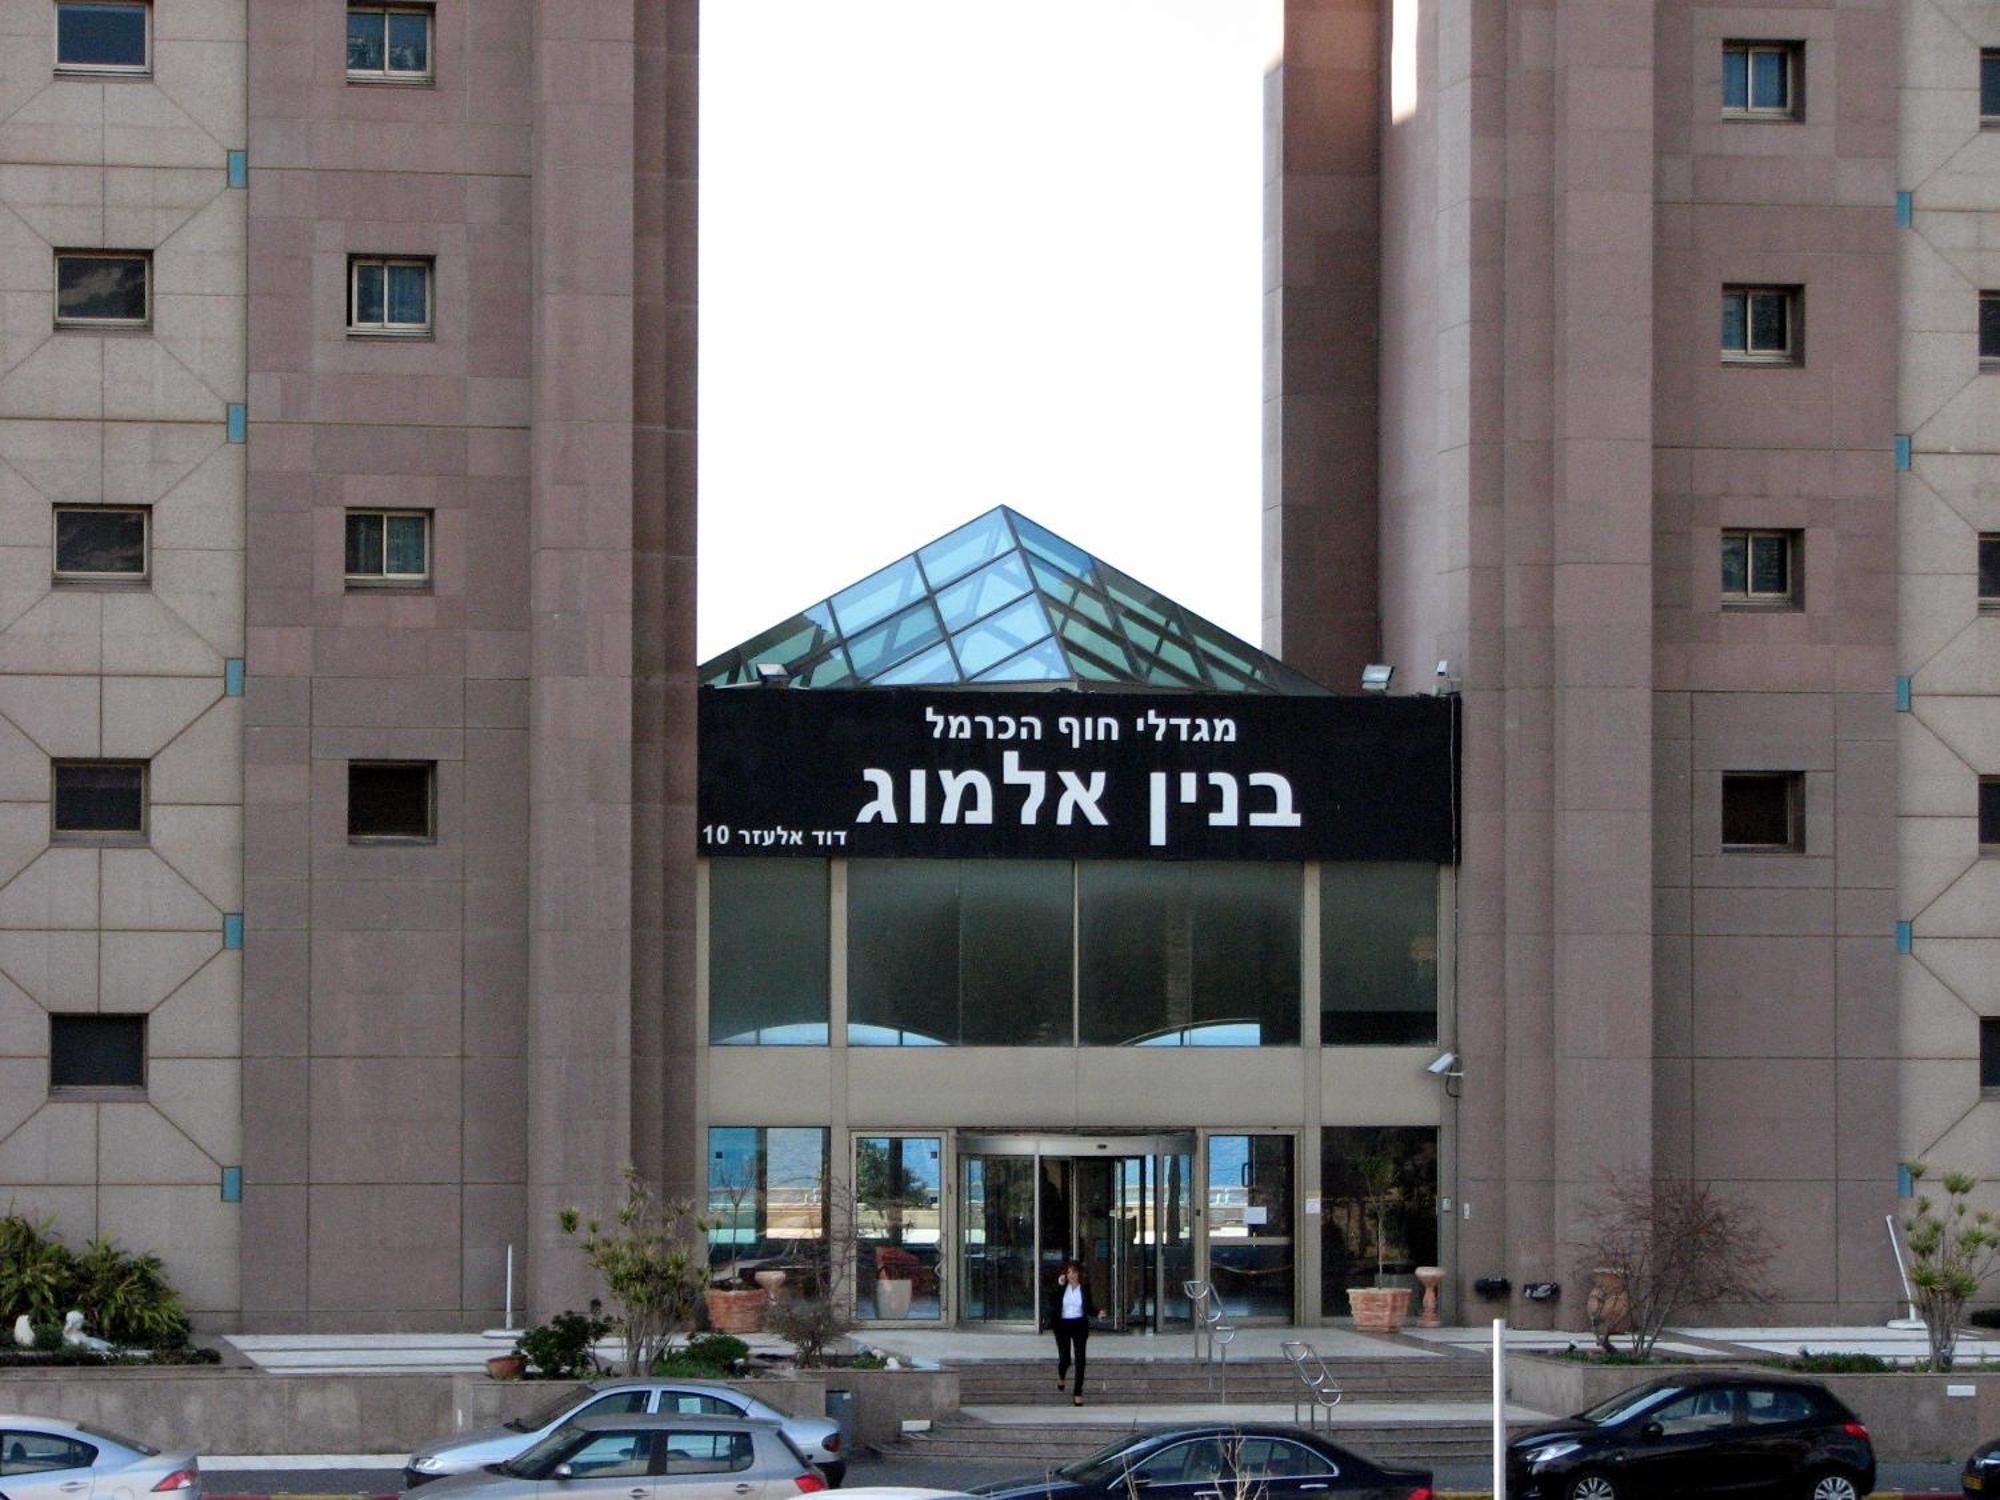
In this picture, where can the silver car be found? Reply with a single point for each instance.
(45, 1459)
(639, 1457)
(816, 1437)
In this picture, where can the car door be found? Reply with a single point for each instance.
(44, 1465)
(704, 1465)
(694, 1404)
(1778, 1425)
(608, 1465)
(1685, 1447)
(1280, 1469)
(1192, 1470)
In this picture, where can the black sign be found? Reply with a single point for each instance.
(956, 773)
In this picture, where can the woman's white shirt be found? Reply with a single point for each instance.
(1072, 1303)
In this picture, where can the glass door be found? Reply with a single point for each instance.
(996, 1221)
(1250, 1225)
(898, 1227)
(1110, 1232)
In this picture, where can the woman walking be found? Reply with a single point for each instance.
(1074, 1310)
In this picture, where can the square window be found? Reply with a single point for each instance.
(1763, 810)
(1989, 88)
(1758, 324)
(1989, 815)
(102, 36)
(102, 289)
(101, 542)
(1989, 1053)
(1989, 570)
(99, 800)
(1760, 79)
(388, 296)
(389, 43)
(1989, 326)
(388, 547)
(390, 799)
(97, 1052)
(1759, 567)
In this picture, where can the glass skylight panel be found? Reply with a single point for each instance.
(994, 639)
(1042, 662)
(1091, 639)
(984, 592)
(1046, 544)
(833, 671)
(934, 665)
(963, 550)
(892, 640)
(878, 596)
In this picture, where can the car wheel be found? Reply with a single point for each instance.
(1833, 1484)
(1591, 1487)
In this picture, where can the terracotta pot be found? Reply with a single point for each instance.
(1379, 1309)
(736, 1312)
(1609, 1306)
(506, 1366)
(771, 1281)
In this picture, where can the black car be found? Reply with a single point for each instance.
(1982, 1471)
(1219, 1463)
(1730, 1433)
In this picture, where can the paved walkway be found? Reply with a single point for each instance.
(965, 1345)
(1347, 1414)
(406, 1353)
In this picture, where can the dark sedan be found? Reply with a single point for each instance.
(1219, 1463)
(1729, 1433)
(1982, 1471)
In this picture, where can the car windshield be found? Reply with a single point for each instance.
(1628, 1404)
(1105, 1460)
(144, 1450)
(550, 1409)
(544, 1454)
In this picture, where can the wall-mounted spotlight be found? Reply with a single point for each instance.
(1375, 677)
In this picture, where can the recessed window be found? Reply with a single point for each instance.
(1763, 810)
(100, 543)
(388, 547)
(102, 289)
(1989, 88)
(1989, 328)
(1989, 570)
(389, 43)
(391, 799)
(1989, 1054)
(102, 36)
(1757, 567)
(1989, 815)
(97, 1052)
(1759, 324)
(388, 296)
(99, 800)
(1760, 79)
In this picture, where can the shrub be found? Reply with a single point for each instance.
(1674, 1244)
(1805, 1362)
(809, 1324)
(560, 1349)
(1951, 1252)
(680, 1367)
(720, 1352)
(124, 1297)
(650, 1266)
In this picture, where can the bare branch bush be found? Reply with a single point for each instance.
(1676, 1244)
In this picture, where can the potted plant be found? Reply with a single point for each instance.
(1378, 1308)
(892, 1293)
(507, 1366)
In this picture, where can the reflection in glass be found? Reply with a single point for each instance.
(969, 953)
(1250, 1224)
(878, 596)
(984, 592)
(898, 1226)
(959, 552)
(1196, 954)
(96, 542)
(1379, 1220)
(997, 1234)
(766, 1202)
(892, 640)
(767, 952)
(368, 284)
(1041, 662)
(1378, 969)
(364, 41)
(995, 639)
(101, 288)
(100, 34)
(409, 42)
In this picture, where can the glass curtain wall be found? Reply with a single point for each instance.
(1189, 955)
(1378, 954)
(1380, 1219)
(767, 952)
(972, 953)
(997, 1229)
(898, 1226)
(767, 1202)
(1250, 1224)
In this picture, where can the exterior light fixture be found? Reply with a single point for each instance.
(773, 673)
(1375, 677)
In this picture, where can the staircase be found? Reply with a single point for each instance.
(986, 1432)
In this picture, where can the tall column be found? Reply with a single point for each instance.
(582, 629)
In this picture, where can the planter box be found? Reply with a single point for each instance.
(1379, 1309)
(736, 1312)
(1911, 1417)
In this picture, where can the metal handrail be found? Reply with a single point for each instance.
(1317, 1380)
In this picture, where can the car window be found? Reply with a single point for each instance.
(1767, 1407)
(1279, 1458)
(611, 1455)
(707, 1452)
(1697, 1411)
(42, 1453)
(617, 1404)
(1197, 1462)
(696, 1404)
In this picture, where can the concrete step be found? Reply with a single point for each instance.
(1024, 1382)
(1034, 1446)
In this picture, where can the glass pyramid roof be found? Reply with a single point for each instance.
(1004, 601)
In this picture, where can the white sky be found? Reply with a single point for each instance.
(960, 253)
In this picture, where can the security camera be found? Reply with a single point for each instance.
(1444, 1066)
(1444, 668)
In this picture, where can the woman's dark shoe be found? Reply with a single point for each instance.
(1076, 1401)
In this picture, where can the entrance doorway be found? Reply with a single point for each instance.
(1122, 1205)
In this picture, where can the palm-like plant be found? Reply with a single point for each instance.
(1952, 1252)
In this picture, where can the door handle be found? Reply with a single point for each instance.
(742, 1489)
(640, 1494)
(74, 1485)
(1312, 1486)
